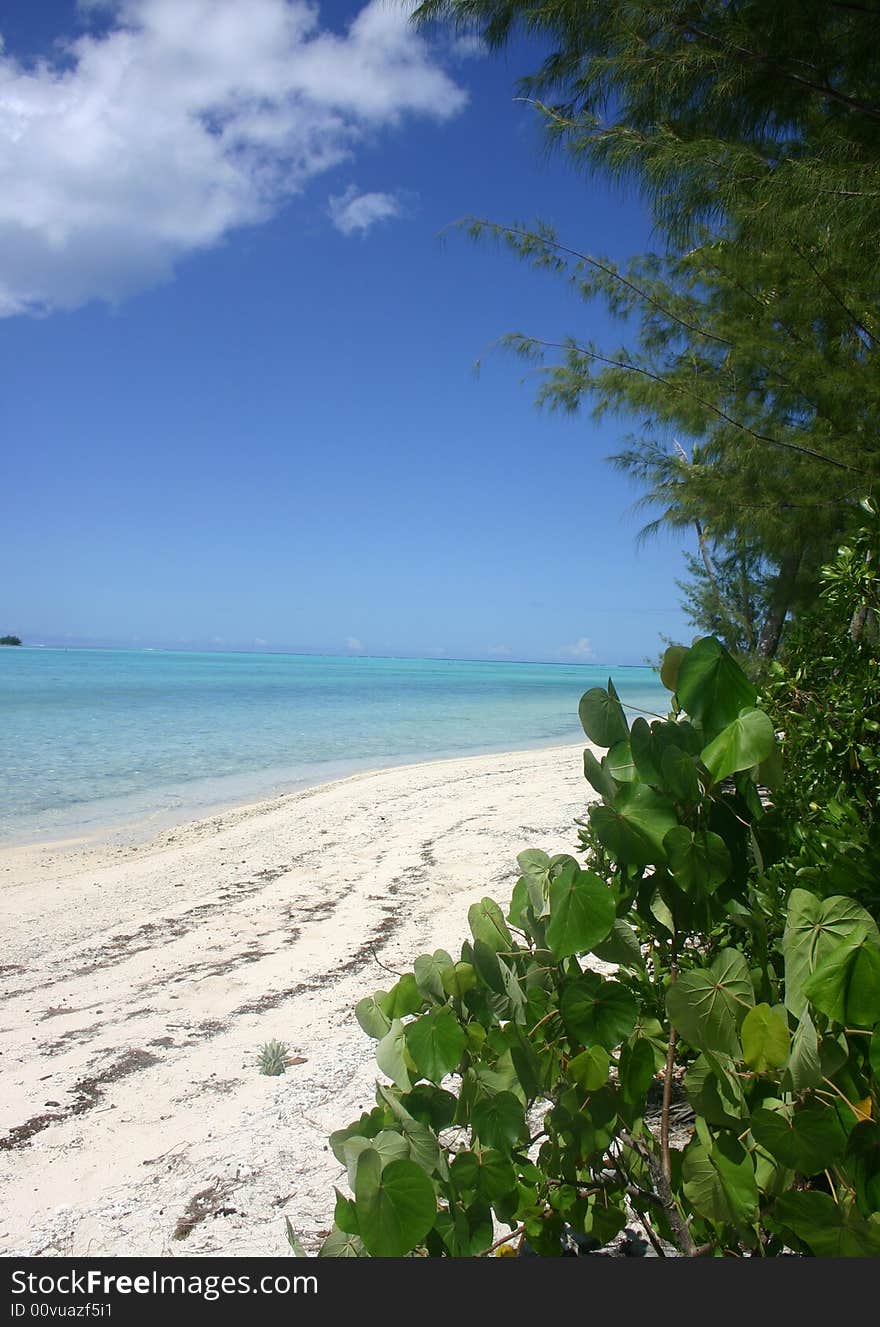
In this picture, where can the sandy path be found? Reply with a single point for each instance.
(139, 982)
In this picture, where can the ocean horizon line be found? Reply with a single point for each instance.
(324, 654)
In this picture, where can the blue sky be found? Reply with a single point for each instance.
(238, 390)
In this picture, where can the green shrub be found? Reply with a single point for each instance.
(530, 1092)
(825, 695)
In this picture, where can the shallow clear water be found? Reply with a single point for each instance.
(92, 737)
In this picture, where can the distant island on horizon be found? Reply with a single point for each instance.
(10, 640)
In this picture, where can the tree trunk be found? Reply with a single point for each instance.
(774, 621)
(864, 620)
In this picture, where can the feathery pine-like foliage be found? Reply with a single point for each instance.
(824, 692)
(771, 110)
(752, 361)
(755, 134)
(726, 589)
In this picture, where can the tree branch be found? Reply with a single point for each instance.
(666, 1163)
(834, 295)
(601, 267)
(746, 56)
(505, 1239)
(684, 391)
(684, 1238)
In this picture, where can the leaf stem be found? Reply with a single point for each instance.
(667, 1079)
(856, 1110)
(382, 965)
(542, 1021)
(505, 1239)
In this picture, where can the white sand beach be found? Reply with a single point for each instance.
(140, 980)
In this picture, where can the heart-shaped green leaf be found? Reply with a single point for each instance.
(719, 1181)
(707, 1005)
(699, 862)
(806, 1140)
(499, 1121)
(389, 1145)
(496, 1175)
(679, 775)
(459, 979)
(391, 1055)
(827, 1228)
(602, 717)
(669, 668)
(633, 828)
(765, 1038)
(395, 1206)
(439, 1107)
(627, 845)
(590, 1069)
(745, 742)
(598, 1012)
(582, 912)
(487, 1173)
(487, 923)
(646, 753)
(711, 687)
(532, 861)
(846, 986)
(403, 998)
(428, 970)
(371, 1016)
(436, 1043)
(648, 811)
(813, 930)
(338, 1244)
(620, 764)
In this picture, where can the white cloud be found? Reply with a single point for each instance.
(499, 650)
(353, 645)
(580, 650)
(184, 119)
(354, 211)
(468, 46)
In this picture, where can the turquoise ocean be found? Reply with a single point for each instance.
(95, 738)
